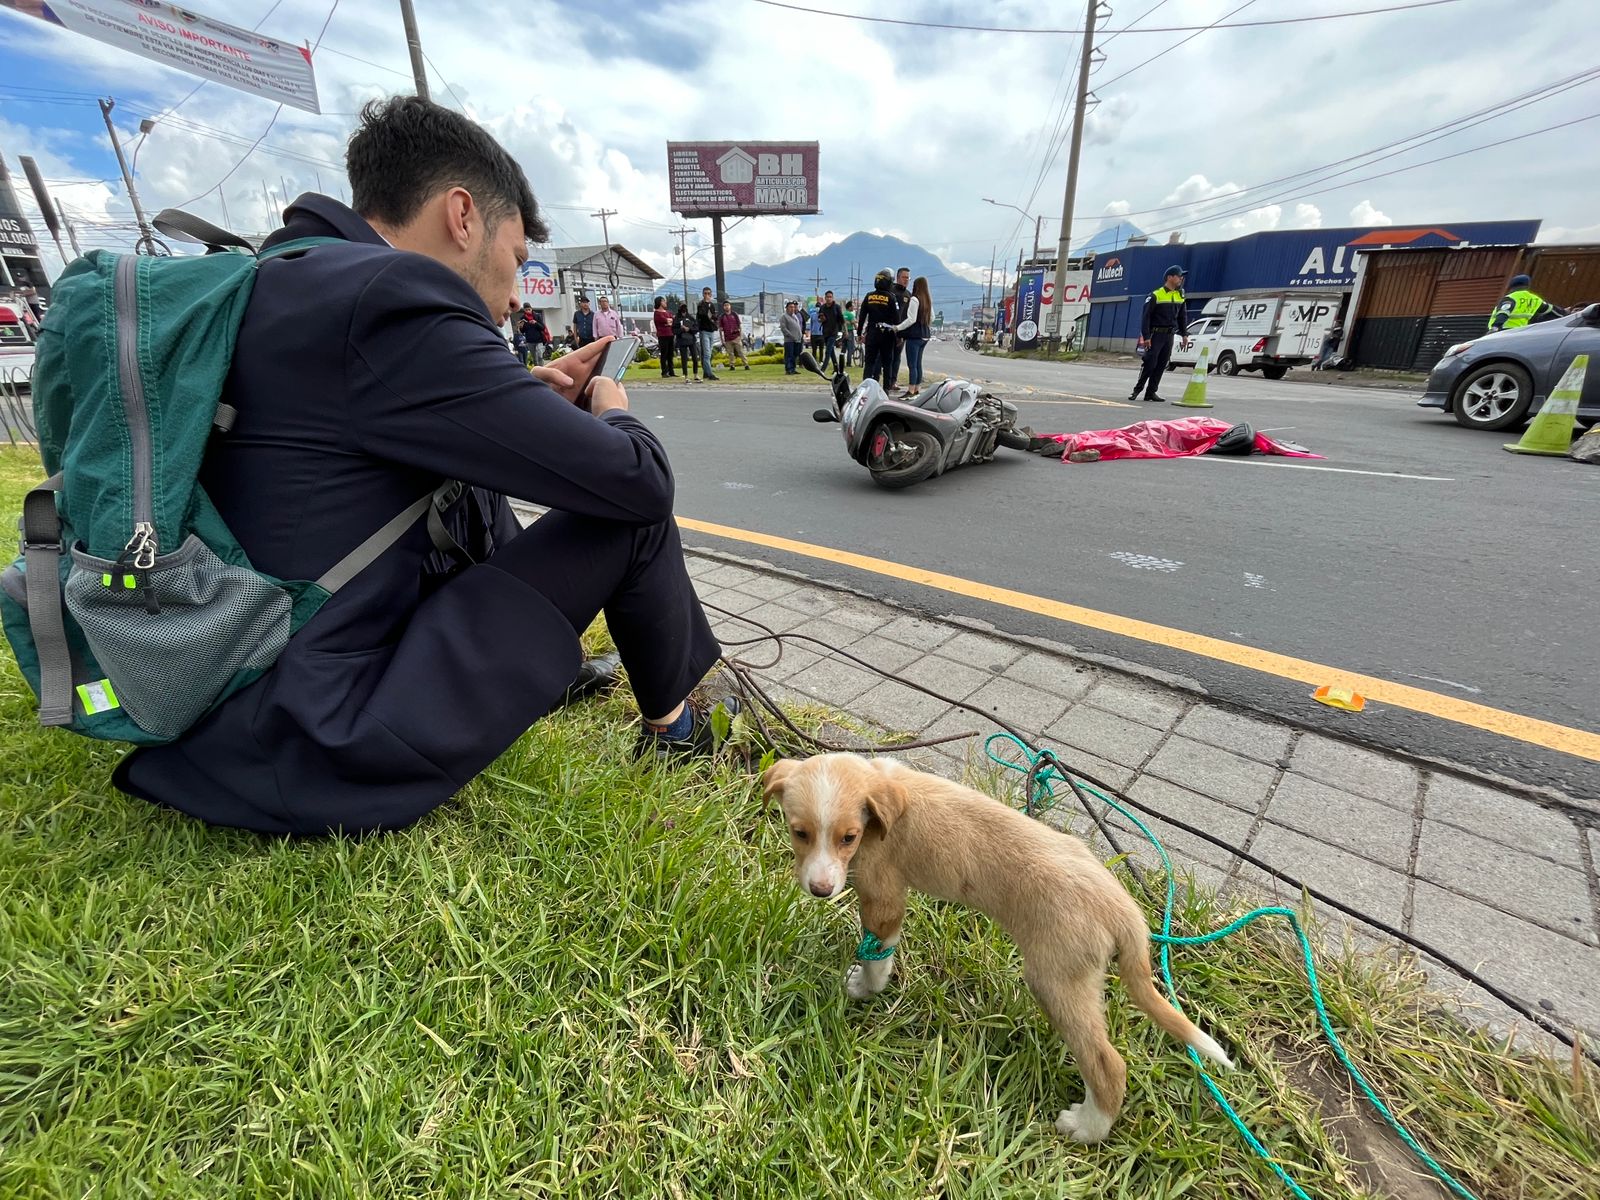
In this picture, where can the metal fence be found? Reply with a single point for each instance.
(16, 406)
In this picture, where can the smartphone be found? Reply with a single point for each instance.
(618, 356)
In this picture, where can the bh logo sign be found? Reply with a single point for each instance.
(538, 281)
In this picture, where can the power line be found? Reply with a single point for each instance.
(462, 103)
(844, 16)
(1214, 25)
(1376, 155)
(1382, 174)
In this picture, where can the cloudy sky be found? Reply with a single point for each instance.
(1235, 129)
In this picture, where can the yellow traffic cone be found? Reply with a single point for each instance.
(1551, 431)
(1194, 396)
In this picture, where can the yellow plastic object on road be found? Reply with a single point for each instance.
(1552, 430)
(1335, 697)
(1194, 396)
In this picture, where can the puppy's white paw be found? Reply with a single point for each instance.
(865, 979)
(1084, 1123)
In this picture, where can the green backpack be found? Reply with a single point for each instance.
(132, 610)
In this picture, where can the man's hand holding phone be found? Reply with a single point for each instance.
(571, 378)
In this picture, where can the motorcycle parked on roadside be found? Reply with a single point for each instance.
(902, 442)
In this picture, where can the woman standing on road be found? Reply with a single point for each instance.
(916, 327)
(687, 330)
(665, 335)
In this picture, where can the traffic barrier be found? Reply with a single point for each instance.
(1194, 396)
(1552, 430)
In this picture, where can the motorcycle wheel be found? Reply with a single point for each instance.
(923, 463)
(1011, 439)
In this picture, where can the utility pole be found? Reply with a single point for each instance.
(414, 44)
(227, 221)
(267, 196)
(683, 231)
(47, 209)
(988, 280)
(819, 283)
(147, 243)
(72, 234)
(1037, 221)
(605, 215)
(1064, 246)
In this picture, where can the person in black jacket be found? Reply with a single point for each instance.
(421, 671)
(879, 315)
(1163, 316)
(687, 334)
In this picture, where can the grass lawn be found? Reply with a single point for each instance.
(589, 979)
(761, 371)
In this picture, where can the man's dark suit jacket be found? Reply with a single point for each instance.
(364, 376)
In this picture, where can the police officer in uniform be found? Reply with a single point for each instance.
(1521, 307)
(880, 312)
(1163, 315)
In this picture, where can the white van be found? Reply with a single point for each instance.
(1269, 334)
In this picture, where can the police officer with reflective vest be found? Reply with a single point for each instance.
(1520, 307)
(1163, 316)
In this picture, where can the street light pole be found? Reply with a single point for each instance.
(1064, 246)
(1037, 221)
(147, 243)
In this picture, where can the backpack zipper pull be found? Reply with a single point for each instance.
(143, 548)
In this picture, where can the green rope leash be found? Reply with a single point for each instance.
(871, 949)
(1042, 773)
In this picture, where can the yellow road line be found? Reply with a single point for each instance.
(1568, 740)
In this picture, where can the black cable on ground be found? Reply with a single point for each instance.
(742, 673)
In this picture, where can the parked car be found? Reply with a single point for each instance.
(16, 345)
(1500, 379)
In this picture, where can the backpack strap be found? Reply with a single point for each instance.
(41, 556)
(369, 551)
(174, 222)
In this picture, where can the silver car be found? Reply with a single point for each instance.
(1499, 380)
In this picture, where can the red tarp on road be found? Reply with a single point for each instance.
(1165, 439)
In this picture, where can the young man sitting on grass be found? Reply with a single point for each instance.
(368, 371)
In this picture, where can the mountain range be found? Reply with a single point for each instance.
(861, 255)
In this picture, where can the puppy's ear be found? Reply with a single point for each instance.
(886, 801)
(775, 776)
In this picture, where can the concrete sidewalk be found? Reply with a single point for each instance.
(1501, 882)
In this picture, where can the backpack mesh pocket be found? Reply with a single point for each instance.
(169, 667)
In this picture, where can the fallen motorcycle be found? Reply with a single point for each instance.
(902, 442)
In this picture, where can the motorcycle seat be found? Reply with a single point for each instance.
(942, 398)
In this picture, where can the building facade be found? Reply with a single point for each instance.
(1306, 261)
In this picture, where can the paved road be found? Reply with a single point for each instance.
(1426, 556)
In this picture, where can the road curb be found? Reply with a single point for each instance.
(1579, 808)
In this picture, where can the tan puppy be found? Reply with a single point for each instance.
(889, 829)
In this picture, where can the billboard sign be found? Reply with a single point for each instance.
(537, 283)
(16, 235)
(712, 179)
(181, 38)
(1030, 306)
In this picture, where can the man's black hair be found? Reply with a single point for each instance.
(408, 150)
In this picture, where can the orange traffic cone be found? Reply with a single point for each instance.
(1551, 431)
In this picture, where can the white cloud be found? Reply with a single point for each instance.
(1306, 216)
(1117, 208)
(1562, 234)
(1365, 214)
